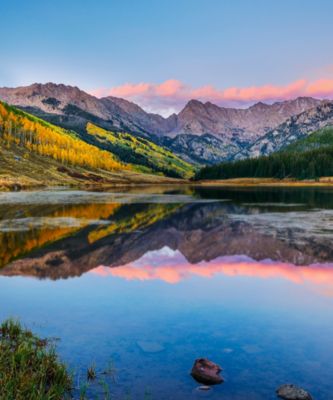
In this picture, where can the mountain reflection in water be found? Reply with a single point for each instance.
(203, 238)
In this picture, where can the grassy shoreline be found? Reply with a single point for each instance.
(30, 367)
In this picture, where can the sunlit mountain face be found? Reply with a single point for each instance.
(161, 276)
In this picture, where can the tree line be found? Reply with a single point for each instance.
(309, 164)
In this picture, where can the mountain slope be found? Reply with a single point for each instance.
(318, 139)
(290, 131)
(139, 151)
(244, 124)
(204, 149)
(38, 136)
(154, 124)
(34, 152)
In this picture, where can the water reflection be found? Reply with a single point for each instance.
(204, 237)
(172, 267)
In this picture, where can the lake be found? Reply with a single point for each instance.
(140, 283)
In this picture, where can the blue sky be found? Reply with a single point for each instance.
(106, 44)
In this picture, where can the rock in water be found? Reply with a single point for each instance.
(292, 392)
(207, 372)
(150, 347)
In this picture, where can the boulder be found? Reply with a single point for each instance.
(206, 372)
(292, 392)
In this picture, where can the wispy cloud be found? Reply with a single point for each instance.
(172, 94)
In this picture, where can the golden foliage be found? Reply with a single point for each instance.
(21, 129)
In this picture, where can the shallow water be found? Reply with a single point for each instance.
(144, 282)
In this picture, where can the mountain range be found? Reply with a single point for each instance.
(201, 133)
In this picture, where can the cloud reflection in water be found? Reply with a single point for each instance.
(172, 267)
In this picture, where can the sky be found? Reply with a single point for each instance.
(162, 53)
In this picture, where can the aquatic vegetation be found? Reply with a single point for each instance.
(91, 373)
(29, 366)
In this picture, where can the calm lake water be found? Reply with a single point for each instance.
(144, 282)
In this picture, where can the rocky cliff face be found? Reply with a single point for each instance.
(242, 124)
(152, 123)
(293, 129)
(52, 98)
(204, 149)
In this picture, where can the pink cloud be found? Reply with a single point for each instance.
(169, 88)
(320, 88)
(173, 94)
(127, 91)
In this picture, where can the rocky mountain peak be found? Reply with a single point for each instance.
(193, 106)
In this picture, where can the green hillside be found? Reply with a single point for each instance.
(321, 138)
(140, 151)
(35, 152)
(308, 158)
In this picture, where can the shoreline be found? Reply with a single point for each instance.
(13, 185)
(266, 182)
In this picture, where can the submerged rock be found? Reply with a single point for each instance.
(150, 347)
(207, 372)
(292, 392)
